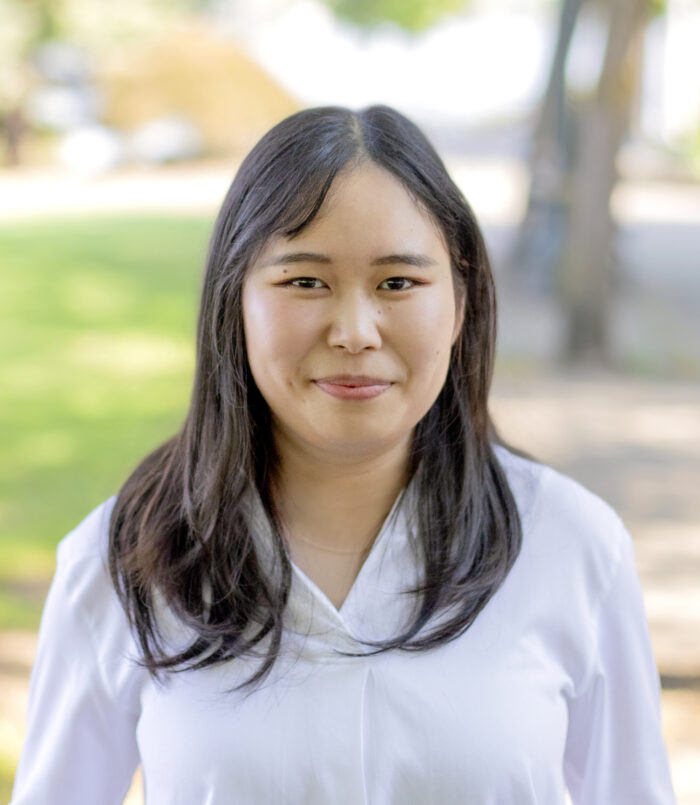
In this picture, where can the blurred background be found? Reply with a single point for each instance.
(573, 128)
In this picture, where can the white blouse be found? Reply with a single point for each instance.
(553, 687)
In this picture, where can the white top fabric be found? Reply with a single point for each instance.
(553, 687)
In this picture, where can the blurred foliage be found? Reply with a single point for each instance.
(97, 323)
(412, 15)
(146, 59)
(15, 36)
(203, 76)
(91, 25)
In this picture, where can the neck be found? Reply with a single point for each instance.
(337, 503)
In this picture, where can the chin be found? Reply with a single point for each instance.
(359, 443)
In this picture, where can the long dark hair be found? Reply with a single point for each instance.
(179, 533)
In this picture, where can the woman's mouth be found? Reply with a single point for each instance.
(353, 387)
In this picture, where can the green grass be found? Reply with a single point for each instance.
(97, 322)
(7, 775)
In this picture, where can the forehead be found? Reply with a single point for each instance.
(368, 210)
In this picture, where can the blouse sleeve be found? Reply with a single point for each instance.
(80, 747)
(615, 752)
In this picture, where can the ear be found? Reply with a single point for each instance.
(460, 305)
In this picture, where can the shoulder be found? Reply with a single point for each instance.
(549, 499)
(576, 531)
(574, 549)
(81, 556)
(83, 606)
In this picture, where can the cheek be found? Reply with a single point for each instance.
(276, 332)
(427, 333)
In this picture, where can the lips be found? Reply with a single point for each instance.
(354, 380)
(353, 387)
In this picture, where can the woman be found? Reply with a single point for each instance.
(333, 584)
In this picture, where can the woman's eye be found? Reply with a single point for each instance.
(306, 282)
(397, 284)
(389, 284)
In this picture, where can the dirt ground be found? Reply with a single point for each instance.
(637, 444)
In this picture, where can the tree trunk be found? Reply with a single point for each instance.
(586, 267)
(542, 231)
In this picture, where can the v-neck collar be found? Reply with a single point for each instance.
(385, 533)
(373, 608)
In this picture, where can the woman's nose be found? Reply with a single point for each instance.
(355, 324)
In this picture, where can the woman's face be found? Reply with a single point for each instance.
(349, 324)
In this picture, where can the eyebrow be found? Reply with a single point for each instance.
(404, 258)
